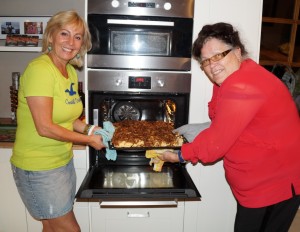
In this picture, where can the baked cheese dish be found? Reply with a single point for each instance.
(150, 134)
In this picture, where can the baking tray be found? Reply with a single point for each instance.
(112, 147)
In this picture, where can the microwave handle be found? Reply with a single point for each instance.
(140, 22)
(121, 204)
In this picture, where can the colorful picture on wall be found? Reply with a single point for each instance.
(33, 28)
(10, 28)
(32, 25)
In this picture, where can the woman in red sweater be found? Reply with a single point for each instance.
(255, 129)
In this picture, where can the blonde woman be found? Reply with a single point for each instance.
(48, 124)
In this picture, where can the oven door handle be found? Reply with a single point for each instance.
(122, 204)
(140, 22)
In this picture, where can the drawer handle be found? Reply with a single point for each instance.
(122, 204)
(138, 215)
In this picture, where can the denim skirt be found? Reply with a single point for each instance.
(47, 194)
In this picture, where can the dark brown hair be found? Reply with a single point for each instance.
(221, 31)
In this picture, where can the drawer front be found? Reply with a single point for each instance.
(169, 219)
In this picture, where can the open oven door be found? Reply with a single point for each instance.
(122, 181)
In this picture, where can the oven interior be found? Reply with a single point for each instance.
(114, 107)
(138, 69)
(131, 176)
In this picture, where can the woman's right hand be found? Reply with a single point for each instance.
(96, 142)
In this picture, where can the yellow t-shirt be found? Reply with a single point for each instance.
(42, 78)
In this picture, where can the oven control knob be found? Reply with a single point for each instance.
(167, 6)
(115, 3)
(161, 83)
(118, 82)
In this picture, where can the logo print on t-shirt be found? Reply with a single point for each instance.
(71, 91)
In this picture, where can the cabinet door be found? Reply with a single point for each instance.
(80, 208)
(12, 209)
(33, 225)
(80, 159)
(137, 219)
(81, 211)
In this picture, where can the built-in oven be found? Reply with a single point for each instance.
(152, 35)
(116, 95)
(138, 69)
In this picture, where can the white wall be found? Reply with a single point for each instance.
(17, 61)
(216, 211)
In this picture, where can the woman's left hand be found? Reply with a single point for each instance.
(96, 141)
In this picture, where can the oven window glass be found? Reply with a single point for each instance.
(137, 179)
(140, 42)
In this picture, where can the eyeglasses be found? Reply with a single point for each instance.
(214, 58)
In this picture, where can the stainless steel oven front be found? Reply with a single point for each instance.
(138, 69)
(116, 95)
(154, 35)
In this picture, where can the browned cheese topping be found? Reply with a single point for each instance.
(130, 133)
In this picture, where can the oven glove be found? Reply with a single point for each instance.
(107, 134)
(156, 162)
(190, 131)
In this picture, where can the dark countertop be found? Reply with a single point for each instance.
(7, 134)
(7, 122)
(7, 130)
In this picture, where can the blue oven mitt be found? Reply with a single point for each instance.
(107, 134)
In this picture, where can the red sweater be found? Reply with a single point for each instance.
(256, 130)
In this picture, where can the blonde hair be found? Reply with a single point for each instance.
(57, 22)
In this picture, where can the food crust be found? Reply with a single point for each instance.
(131, 133)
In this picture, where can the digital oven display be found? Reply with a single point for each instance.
(139, 82)
(141, 4)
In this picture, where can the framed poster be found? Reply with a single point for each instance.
(31, 26)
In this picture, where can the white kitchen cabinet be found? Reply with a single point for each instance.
(13, 215)
(32, 224)
(81, 209)
(169, 219)
(12, 209)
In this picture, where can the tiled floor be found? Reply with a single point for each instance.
(296, 223)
